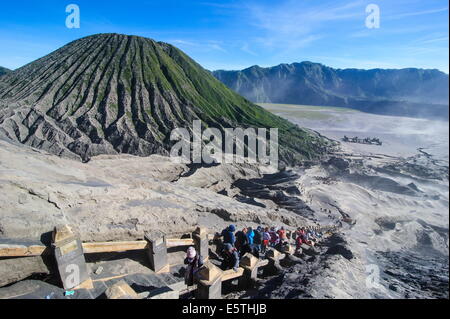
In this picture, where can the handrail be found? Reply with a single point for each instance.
(22, 251)
(10, 251)
(231, 274)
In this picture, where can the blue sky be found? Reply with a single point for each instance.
(231, 34)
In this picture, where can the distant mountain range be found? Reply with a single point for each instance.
(406, 92)
(111, 94)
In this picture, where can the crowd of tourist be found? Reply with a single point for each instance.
(237, 243)
(257, 241)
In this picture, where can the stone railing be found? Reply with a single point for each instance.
(69, 251)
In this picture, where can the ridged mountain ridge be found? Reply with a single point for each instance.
(111, 93)
(4, 70)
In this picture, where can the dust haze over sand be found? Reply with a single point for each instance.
(396, 196)
(401, 136)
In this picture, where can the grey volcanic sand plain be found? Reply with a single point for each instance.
(401, 136)
(396, 196)
(119, 197)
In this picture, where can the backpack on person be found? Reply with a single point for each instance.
(257, 239)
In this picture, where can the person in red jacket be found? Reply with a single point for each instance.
(282, 234)
(301, 238)
(274, 238)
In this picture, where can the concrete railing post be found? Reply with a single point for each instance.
(250, 276)
(201, 241)
(157, 252)
(288, 249)
(274, 257)
(69, 256)
(209, 285)
(121, 290)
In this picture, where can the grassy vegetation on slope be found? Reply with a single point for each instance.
(112, 93)
(220, 102)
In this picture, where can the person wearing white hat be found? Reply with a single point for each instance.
(194, 262)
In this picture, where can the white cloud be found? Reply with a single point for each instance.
(246, 48)
(343, 62)
(199, 45)
(216, 46)
(182, 42)
(436, 40)
(364, 32)
(416, 13)
(294, 24)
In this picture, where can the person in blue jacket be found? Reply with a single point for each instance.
(228, 235)
(250, 236)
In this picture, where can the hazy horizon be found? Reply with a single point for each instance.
(261, 66)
